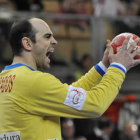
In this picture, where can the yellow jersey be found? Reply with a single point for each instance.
(32, 102)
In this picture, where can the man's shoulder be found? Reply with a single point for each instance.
(24, 73)
(33, 75)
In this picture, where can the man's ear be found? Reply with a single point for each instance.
(27, 43)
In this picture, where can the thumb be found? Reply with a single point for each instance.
(136, 62)
(110, 49)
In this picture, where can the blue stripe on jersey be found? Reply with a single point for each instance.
(17, 65)
(100, 71)
(117, 66)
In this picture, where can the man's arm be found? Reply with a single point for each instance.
(49, 97)
(92, 78)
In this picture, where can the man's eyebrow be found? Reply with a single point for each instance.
(47, 35)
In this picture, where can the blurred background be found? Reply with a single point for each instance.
(81, 28)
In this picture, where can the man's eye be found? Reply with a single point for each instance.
(48, 37)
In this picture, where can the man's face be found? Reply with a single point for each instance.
(68, 129)
(44, 45)
(128, 129)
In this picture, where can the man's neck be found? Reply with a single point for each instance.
(18, 59)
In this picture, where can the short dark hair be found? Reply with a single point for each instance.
(21, 28)
(86, 56)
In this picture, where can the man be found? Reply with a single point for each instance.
(32, 102)
(67, 129)
(128, 133)
(102, 130)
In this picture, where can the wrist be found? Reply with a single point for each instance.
(106, 64)
(119, 66)
(103, 67)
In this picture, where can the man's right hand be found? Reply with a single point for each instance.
(125, 56)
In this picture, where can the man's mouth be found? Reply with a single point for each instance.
(49, 52)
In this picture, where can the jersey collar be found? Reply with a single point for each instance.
(17, 65)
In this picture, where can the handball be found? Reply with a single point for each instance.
(117, 42)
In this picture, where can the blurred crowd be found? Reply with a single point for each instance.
(97, 8)
(94, 7)
(100, 7)
(101, 128)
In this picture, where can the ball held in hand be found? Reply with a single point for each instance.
(117, 42)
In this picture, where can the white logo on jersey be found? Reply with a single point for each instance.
(10, 136)
(75, 97)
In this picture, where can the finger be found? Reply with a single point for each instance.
(133, 45)
(110, 49)
(125, 43)
(136, 52)
(108, 41)
(136, 62)
(106, 51)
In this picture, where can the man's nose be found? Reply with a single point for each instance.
(53, 42)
